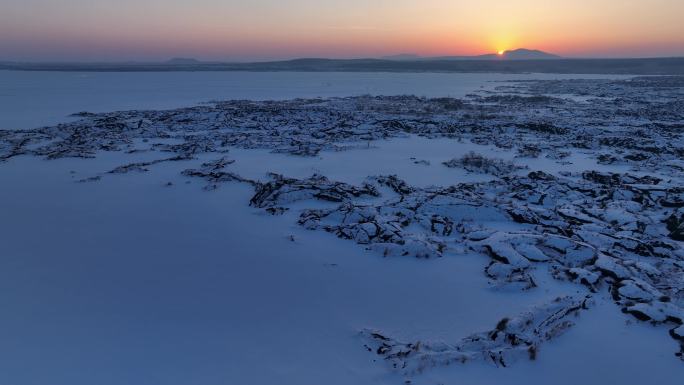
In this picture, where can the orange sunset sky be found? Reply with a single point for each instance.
(270, 29)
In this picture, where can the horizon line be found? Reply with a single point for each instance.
(169, 61)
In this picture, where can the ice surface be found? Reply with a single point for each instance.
(32, 99)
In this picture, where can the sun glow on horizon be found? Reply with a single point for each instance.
(501, 52)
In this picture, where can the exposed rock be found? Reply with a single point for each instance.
(478, 163)
(281, 190)
(513, 339)
(214, 173)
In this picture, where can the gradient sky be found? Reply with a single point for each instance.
(104, 30)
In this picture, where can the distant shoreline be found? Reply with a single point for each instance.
(648, 66)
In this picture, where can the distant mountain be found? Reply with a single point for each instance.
(528, 54)
(402, 56)
(182, 61)
(517, 54)
(644, 66)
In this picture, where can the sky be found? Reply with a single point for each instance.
(231, 30)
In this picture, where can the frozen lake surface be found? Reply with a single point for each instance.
(32, 99)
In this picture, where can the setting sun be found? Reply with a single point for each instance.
(501, 52)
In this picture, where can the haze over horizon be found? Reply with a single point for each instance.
(213, 30)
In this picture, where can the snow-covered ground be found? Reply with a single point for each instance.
(147, 277)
